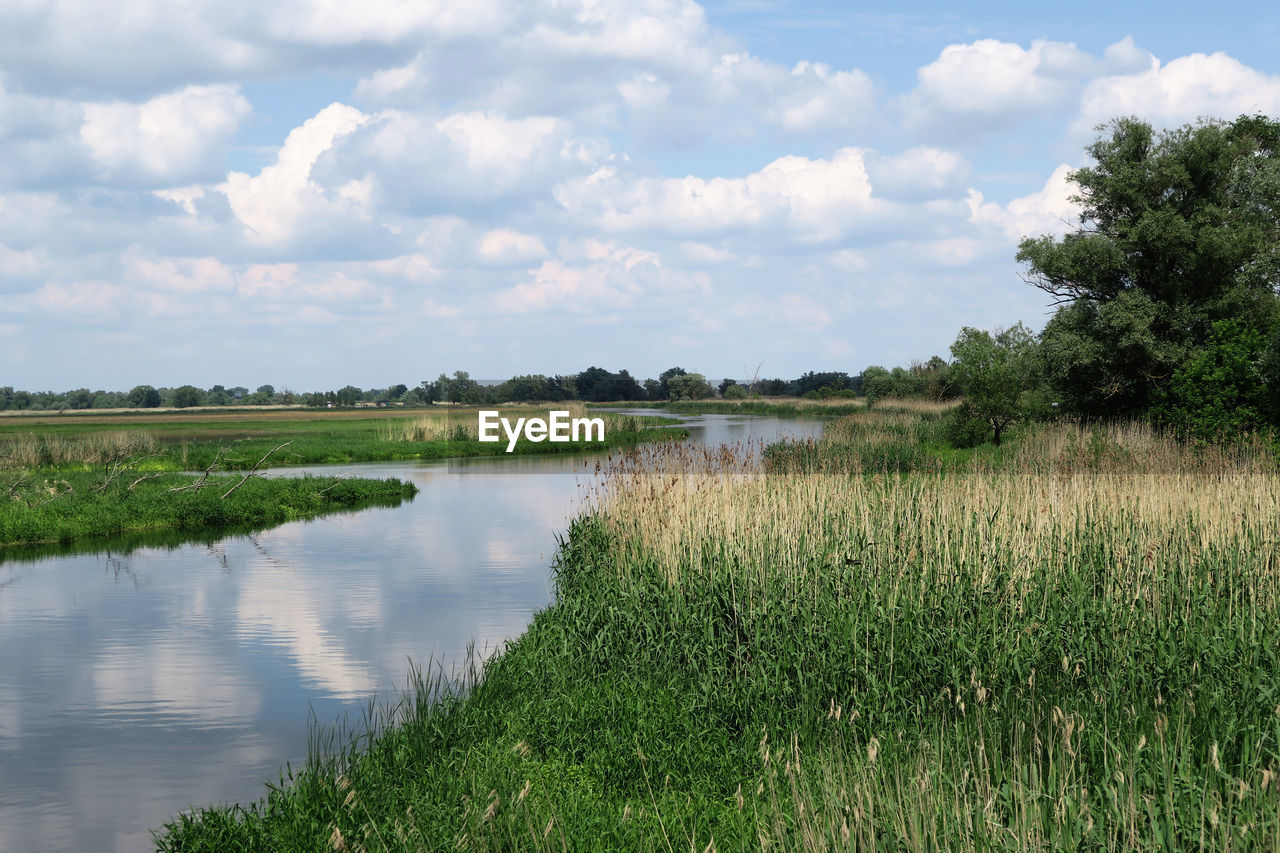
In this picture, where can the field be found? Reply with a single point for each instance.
(785, 406)
(68, 477)
(1072, 642)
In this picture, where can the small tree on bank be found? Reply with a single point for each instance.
(997, 374)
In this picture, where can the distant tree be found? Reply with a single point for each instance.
(460, 388)
(665, 377)
(877, 383)
(689, 386)
(6, 397)
(20, 400)
(285, 396)
(397, 392)
(187, 396)
(652, 389)
(268, 390)
(348, 395)
(997, 373)
(144, 397)
(735, 392)
(80, 398)
(775, 387)
(725, 385)
(812, 381)
(599, 385)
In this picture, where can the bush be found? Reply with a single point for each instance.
(962, 428)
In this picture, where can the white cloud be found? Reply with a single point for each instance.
(611, 277)
(503, 245)
(169, 139)
(336, 22)
(183, 275)
(701, 253)
(272, 204)
(425, 163)
(1182, 91)
(816, 200)
(990, 82)
(1048, 211)
(918, 173)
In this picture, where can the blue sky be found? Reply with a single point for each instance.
(316, 193)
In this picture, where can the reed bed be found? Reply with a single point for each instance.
(33, 450)
(1074, 643)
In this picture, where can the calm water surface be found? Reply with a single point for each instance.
(154, 674)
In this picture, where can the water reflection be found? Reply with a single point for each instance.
(152, 672)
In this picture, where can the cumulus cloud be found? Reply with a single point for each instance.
(504, 245)
(918, 174)
(815, 200)
(273, 203)
(1185, 89)
(597, 276)
(172, 138)
(427, 163)
(1048, 211)
(990, 82)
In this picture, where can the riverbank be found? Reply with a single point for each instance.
(1072, 644)
(52, 505)
(181, 441)
(62, 479)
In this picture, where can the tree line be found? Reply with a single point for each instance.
(595, 384)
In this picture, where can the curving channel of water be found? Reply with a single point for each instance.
(143, 676)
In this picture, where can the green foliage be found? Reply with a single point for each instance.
(877, 691)
(65, 505)
(1218, 392)
(689, 386)
(963, 427)
(144, 397)
(1180, 231)
(187, 396)
(735, 392)
(996, 373)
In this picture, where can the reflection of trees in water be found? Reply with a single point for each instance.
(118, 565)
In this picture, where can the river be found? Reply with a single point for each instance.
(143, 676)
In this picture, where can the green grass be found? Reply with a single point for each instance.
(65, 478)
(179, 442)
(974, 657)
(47, 506)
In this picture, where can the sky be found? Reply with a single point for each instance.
(315, 193)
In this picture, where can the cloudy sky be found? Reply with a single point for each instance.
(311, 193)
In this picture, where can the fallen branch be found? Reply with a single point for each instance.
(213, 466)
(56, 494)
(146, 477)
(117, 465)
(254, 468)
(13, 487)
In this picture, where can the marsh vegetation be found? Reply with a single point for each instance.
(63, 479)
(1069, 641)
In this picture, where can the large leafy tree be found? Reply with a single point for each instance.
(1179, 232)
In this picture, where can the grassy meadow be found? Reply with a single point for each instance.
(68, 477)
(1072, 641)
